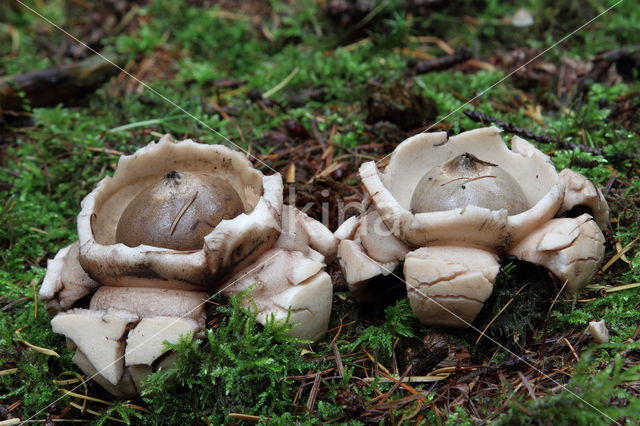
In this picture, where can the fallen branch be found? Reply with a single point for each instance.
(51, 86)
(527, 134)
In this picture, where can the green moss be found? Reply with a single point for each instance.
(400, 323)
(236, 368)
(588, 398)
(51, 162)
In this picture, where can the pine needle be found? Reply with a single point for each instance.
(247, 417)
(39, 349)
(619, 254)
(181, 213)
(85, 397)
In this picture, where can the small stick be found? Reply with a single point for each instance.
(619, 254)
(399, 381)
(181, 213)
(247, 417)
(485, 119)
(635, 333)
(575, 355)
(621, 287)
(314, 392)
(527, 134)
(443, 62)
(8, 372)
(612, 179)
(339, 366)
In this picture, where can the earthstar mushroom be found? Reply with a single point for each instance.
(449, 208)
(176, 222)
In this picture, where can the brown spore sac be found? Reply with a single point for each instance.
(467, 180)
(178, 211)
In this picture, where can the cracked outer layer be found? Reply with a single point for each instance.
(99, 336)
(233, 240)
(115, 347)
(284, 281)
(447, 285)
(148, 295)
(571, 248)
(423, 199)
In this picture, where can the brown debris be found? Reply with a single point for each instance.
(161, 64)
(527, 66)
(400, 106)
(5, 413)
(443, 62)
(423, 360)
(314, 94)
(354, 403)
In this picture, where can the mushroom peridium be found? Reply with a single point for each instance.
(467, 180)
(249, 233)
(149, 291)
(178, 211)
(451, 241)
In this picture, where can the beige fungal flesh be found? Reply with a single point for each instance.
(174, 222)
(454, 205)
(447, 285)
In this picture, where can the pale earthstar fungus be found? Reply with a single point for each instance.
(450, 208)
(177, 222)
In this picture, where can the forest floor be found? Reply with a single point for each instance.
(312, 89)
